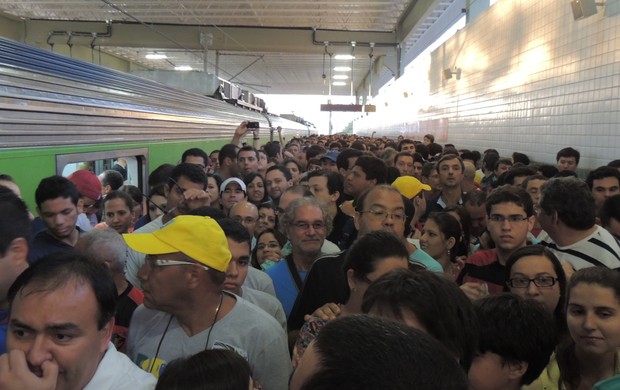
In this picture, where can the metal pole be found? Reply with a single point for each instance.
(329, 101)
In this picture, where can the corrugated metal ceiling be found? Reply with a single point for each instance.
(296, 68)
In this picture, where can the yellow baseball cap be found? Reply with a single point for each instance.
(409, 186)
(200, 238)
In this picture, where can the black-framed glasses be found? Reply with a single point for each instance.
(154, 204)
(382, 214)
(180, 189)
(511, 218)
(539, 281)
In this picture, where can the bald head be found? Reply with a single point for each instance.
(470, 170)
(290, 194)
(245, 213)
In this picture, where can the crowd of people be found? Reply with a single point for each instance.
(322, 262)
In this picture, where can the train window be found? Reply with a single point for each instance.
(131, 163)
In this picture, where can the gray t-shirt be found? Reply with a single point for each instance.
(267, 302)
(246, 329)
(259, 280)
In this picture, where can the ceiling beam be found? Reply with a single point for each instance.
(248, 39)
(418, 10)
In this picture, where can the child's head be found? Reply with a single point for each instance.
(517, 337)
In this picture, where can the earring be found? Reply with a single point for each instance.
(448, 252)
(353, 289)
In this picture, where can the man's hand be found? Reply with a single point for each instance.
(195, 194)
(475, 290)
(242, 129)
(347, 208)
(327, 312)
(15, 374)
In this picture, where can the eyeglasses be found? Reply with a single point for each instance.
(305, 226)
(153, 205)
(540, 281)
(180, 189)
(384, 214)
(154, 263)
(91, 206)
(511, 218)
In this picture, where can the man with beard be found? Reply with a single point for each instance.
(306, 223)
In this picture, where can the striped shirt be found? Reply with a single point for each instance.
(600, 249)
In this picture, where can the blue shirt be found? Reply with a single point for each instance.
(424, 258)
(284, 284)
(4, 324)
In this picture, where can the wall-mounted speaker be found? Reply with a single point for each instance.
(583, 8)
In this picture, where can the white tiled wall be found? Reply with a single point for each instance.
(533, 80)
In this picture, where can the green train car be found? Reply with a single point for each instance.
(58, 114)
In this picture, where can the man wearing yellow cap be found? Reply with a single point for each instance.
(412, 188)
(185, 191)
(185, 310)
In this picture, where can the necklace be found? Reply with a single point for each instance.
(217, 312)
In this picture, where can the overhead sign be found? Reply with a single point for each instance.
(349, 107)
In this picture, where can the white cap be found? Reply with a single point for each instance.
(230, 180)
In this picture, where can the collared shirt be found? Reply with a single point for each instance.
(437, 204)
(484, 267)
(117, 372)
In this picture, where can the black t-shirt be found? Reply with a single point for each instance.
(325, 283)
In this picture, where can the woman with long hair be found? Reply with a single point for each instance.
(591, 353)
(268, 249)
(255, 184)
(441, 237)
(534, 272)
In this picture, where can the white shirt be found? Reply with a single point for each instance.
(117, 372)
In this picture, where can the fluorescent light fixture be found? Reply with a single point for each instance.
(183, 68)
(339, 83)
(342, 68)
(156, 56)
(344, 57)
(340, 77)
